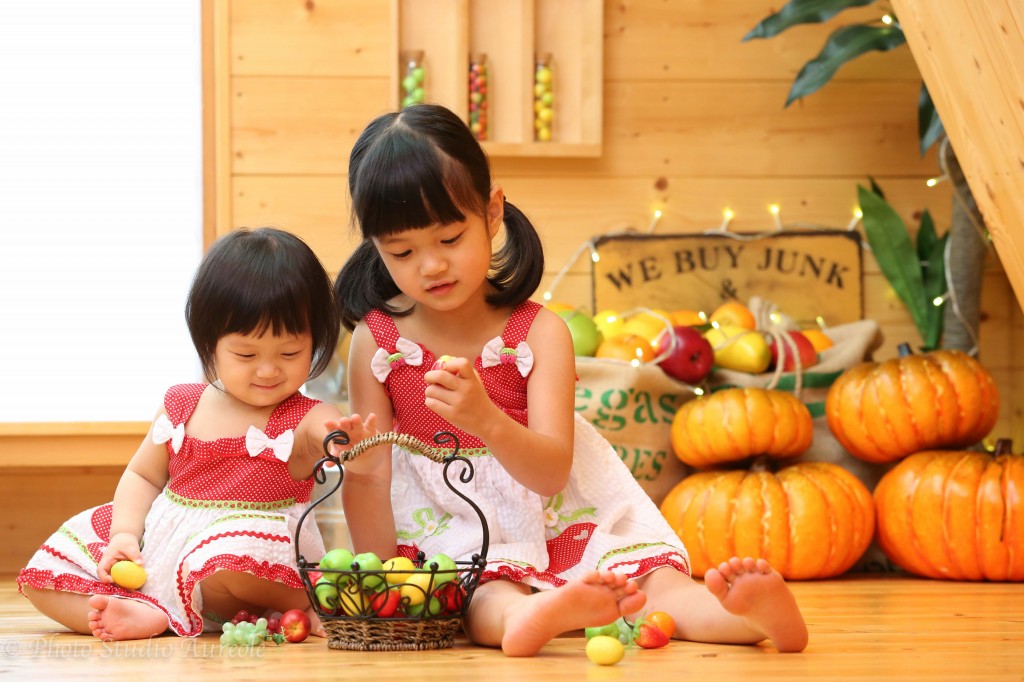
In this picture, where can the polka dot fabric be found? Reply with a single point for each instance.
(221, 510)
(602, 519)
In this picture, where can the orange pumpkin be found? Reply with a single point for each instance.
(737, 423)
(809, 520)
(955, 515)
(882, 412)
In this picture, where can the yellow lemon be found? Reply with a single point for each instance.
(414, 590)
(128, 574)
(397, 570)
(605, 650)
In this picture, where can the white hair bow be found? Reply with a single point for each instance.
(256, 442)
(164, 431)
(497, 353)
(406, 353)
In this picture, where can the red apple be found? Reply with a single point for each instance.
(808, 356)
(691, 358)
(295, 625)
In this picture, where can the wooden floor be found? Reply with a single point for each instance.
(862, 628)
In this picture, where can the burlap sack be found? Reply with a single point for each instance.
(633, 408)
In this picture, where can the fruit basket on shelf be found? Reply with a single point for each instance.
(401, 604)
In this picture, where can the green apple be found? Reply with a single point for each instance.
(447, 569)
(327, 595)
(339, 559)
(586, 337)
(740, 349)
(368, 561)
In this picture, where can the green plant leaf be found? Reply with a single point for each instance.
(844, 44)
(875, 188)
(929, 125)
(931, 251)
(896, 255)
(801, 12)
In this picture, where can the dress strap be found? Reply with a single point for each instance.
(288, 414)
(518, 325)
(181, 400)
(383, 328)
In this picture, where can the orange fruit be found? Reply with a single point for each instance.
(818, 339)
(662, 621)
(559, 307)
(687, 318)
(628, 347)
(648, 325)
(734, 314)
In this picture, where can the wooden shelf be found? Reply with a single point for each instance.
(511, 33)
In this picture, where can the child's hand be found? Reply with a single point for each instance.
(356, 428)
(456, 394)
(121, 546)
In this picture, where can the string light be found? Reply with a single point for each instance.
(654, 220)
(887, 19)
(857, 215)
(774, 210)
(931, 182)
(727, 216)
(939, 300)
(821, 322)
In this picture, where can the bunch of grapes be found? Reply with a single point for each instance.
(246, 630)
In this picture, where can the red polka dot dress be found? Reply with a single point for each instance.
(602, 519)
(229, 504)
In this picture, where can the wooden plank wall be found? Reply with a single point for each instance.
(693, 122)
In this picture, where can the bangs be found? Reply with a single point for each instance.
(407, 182)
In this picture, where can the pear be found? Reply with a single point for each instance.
(740, 349)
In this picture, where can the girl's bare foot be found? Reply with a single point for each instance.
(755, 591)
(115, 619)
(597, 598)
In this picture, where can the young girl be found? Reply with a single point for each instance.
(568, 523)
(209, 503)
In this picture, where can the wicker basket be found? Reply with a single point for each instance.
(417, 608)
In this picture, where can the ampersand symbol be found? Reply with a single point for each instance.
(728, 290)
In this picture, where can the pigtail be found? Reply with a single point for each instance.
(362, 285)
(518, 266)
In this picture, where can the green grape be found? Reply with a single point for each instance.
(261, 625)
(227, 628)
(227, 639)
(253, 638)
(239, 636)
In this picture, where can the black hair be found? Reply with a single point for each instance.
(251, 281)
(415, 168)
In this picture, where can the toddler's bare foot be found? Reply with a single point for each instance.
(755, 591)
(120, 619)
(597, 598)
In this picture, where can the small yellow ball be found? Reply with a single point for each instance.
(605, 650)
(128, 575)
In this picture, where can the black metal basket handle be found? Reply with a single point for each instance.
(441, 455)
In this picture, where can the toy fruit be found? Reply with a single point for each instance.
(955, 515)
(819, 339)
(609, 323)
(628, 347)
(801, 347)
(440, 362)
(605, 650)
(586, 337)
(691, 357)
(128, 575)
(295, 625)
(734, 424)
(648, 635)
(733, 314)
(881, 412)
(809, 520)
(739, 348)
(398, 570)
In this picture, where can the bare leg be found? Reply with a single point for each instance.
(225, 593)
(742, 602)
(522, 622)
